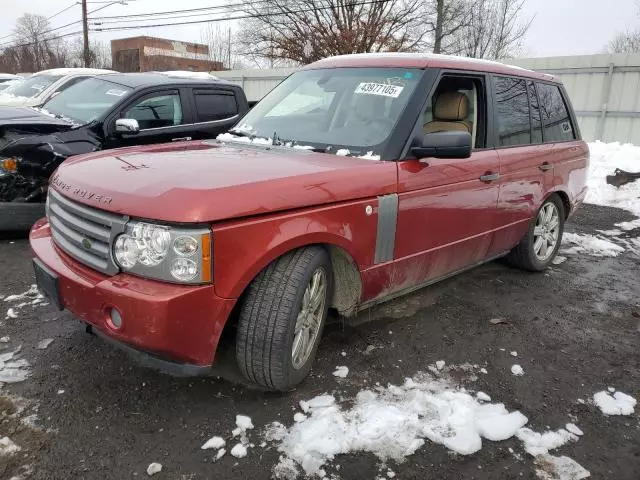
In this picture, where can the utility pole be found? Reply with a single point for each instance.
(85, 33)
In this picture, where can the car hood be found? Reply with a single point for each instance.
(12, 101)
(206, 181)
(24, 116)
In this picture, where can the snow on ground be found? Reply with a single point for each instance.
(154, 468)
(617, 403)
(517, 370)
(540, 443)
(590, 245)
(213, 442)
(13, 369)
(341, 372)
(43, 344)
(551, 467)
(7, 447)
(605, 158)
(29, 298)
(239, 451)
(393, 422)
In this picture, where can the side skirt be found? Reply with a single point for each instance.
(413, 288)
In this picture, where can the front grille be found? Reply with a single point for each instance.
(84, 233)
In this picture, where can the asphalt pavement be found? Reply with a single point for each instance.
(86, 411)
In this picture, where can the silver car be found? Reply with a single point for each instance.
(41, 86)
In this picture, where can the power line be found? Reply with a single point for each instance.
(62, 11)
(170, 12)
(239, 17)
(44, 40)
(173, 17)
(58, 28)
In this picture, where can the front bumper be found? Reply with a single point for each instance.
(180, 324)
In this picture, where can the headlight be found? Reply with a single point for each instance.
(165, 253)
(9, 164)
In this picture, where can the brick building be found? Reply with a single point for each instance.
(143, 54)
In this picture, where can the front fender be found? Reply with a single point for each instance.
(243, 248)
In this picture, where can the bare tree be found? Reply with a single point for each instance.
(445, 18)
(625, 42)
(303, 31)
(495, 29)
(99, 52)
(218, 37)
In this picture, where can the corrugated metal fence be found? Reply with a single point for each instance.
(604, 90)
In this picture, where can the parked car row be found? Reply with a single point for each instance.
(63, 112)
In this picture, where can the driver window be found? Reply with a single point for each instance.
(458, 104)
(157, 111)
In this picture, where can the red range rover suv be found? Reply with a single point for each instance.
(359, 178)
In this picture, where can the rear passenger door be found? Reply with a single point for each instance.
(215, 110)
(526, 174)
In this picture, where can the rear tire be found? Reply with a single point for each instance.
(284, 310)
(539, 246)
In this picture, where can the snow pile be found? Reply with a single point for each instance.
(13, 370)
(370, 156)
(551, 467)
(517, 370)
(392, 423)
(214, 442)
(605, 158)
(7, 447)
(617, 403)
(540, 443)
(154, 468)
(341, 372)
(589, 244)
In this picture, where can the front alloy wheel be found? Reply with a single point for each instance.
(281, 319)
(309, 321)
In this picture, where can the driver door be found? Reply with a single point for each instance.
(161, 116)
(447, 207)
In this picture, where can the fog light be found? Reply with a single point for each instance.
(115, 318)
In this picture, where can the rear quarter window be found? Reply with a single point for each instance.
(215, 105)
(555, 114)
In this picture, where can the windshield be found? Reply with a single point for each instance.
(87, 100)
(32, 86)
(349, 111)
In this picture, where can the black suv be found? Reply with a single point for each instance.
(102, 112)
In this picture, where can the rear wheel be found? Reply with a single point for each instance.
(541, 243)
(282, 317)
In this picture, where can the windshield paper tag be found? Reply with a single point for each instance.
(116, 93)
(383, 89)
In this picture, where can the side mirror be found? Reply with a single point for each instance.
(452, 144)
(127, 125)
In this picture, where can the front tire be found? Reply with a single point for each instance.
(540, 245)
(282, 318)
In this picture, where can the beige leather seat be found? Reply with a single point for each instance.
(450, 113)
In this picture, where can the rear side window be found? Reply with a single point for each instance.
(555, 116)
(215, 105)
(512, 111)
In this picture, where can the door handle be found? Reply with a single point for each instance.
(181, 139)
(545, 166)
(489, 177)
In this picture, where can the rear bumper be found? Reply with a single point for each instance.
(169, 325)
(19, 216)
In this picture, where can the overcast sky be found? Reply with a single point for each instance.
(560, 27)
